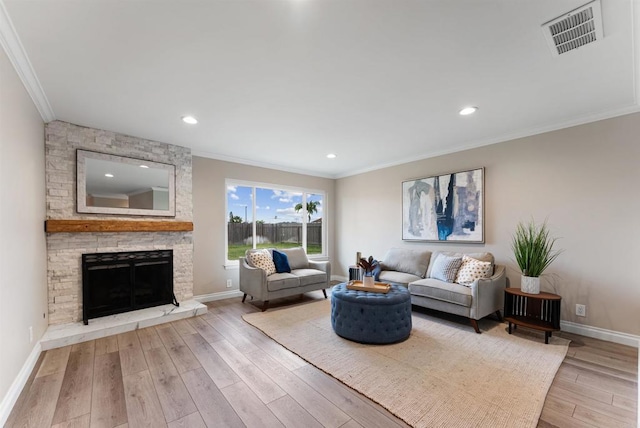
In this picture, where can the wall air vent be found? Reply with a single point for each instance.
(574, 29)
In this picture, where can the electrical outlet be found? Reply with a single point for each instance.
(581, 310)
(30, 334)
(229, 283)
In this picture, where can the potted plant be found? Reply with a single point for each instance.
(533, 250)
(368, 265)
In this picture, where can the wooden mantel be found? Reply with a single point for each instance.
(74, 226)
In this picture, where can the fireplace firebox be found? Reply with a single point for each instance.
(113, 283)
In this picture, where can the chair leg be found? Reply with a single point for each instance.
(474, 323)
(324, 292)
(244, 297)
(265, 305)
(499, 315)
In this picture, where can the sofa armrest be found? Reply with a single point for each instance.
(499, 274)
(324, 267)
(488, 294)
(253, 281)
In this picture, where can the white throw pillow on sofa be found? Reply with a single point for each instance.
(473, 269)
(483, 257)
(262, 259)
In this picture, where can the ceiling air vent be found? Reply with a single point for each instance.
(574, 29)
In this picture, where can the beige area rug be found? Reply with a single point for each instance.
(443, 375)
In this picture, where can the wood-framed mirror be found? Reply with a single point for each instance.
(110, 184)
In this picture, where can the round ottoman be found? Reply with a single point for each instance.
(368, 317)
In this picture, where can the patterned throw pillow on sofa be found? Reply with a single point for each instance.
(445, 268)
(262, 259)
(472, 269)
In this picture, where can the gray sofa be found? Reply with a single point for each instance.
(306, 275)
(412, 268)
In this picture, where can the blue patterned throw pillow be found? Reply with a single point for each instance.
(445, 268)
(281, 261)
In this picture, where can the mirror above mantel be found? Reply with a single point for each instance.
(110, 184)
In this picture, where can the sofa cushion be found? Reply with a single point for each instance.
(405, 260)
(280, 281)
(309, 276)
(445, 268)
(262, 259)
(297, 257)
(472, 269)
(483, 257)
(397, 277)
(281, 261)
(440, 290)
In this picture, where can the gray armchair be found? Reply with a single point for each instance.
(306, 275)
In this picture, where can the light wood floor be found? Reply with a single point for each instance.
(216, 370)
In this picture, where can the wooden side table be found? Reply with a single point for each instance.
(537, 311)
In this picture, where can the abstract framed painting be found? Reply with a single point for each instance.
(444, 208)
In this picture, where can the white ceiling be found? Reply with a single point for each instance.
(281, 83)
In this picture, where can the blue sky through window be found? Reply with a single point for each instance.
(272, 205)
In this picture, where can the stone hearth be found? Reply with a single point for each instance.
(72, 333)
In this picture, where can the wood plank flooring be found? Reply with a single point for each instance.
(216, 370)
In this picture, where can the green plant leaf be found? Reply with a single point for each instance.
(532, 247)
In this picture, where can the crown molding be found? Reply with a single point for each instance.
(635, 46)
(582, 120)
(242, 161)
(15, 51)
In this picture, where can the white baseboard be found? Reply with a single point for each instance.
(18, 384)
(339, 278)
(221, 295)
(601, 333)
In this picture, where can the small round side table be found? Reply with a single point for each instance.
(536, 311)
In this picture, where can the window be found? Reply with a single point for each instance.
(260, 216)
(314, 205)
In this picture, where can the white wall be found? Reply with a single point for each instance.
(23, 281)
(585, 179)
(210, 216)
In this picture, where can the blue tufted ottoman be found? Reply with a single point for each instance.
(368, 317)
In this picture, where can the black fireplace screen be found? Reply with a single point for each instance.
(113, 283)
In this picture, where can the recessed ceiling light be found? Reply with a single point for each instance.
(190, 120)
(144, 166)
(108, 175)
(332, 156)
(468, 110)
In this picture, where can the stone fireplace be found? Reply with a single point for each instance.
(65, 250)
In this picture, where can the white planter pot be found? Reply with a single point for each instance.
(368, 281)
(530, 284)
